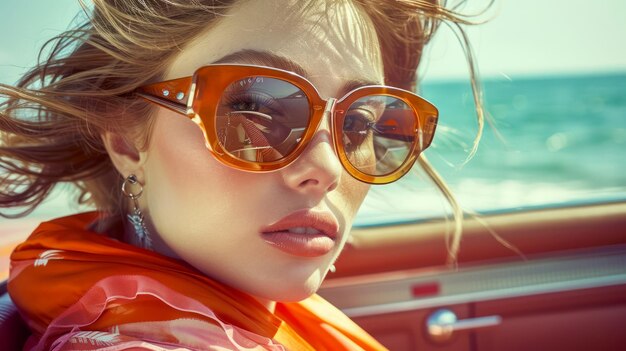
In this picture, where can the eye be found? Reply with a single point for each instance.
(251, 101)
(356, 129)
(245, 106)
(355, 122)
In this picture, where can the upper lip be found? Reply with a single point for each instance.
(323, 221)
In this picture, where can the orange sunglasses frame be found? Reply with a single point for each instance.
(197, 97)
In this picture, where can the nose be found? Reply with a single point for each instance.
(318, 169)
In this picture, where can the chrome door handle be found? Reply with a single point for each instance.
(442, 323)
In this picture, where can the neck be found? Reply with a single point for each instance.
(160, 247)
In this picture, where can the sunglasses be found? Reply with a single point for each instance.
(260, 119)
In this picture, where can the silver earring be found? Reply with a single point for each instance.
(332, 268)
(136, 217)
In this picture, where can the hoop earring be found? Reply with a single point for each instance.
(136, 217)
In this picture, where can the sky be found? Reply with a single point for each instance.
(523, 37)
(538, 37)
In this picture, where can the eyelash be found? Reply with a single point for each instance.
(259, 100)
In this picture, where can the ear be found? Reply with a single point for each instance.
(125, 156)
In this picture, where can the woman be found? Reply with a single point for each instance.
(227, 146)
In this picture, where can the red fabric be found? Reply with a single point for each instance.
(66, 280)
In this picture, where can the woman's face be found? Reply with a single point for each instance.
(216, 218)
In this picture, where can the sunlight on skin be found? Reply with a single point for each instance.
(209, 214)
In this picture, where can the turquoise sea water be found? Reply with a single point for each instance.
(556, 140)
(562, 140)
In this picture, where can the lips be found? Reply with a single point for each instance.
(303, 233)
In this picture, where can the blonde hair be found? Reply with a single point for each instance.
(53, 119)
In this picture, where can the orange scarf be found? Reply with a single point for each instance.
(66, 280)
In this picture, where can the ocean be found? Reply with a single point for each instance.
(553, 141)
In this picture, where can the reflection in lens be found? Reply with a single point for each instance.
(378, 134)
(261, 119)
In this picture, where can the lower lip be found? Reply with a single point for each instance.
(305, 245)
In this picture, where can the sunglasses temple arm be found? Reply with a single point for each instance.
(176, 107)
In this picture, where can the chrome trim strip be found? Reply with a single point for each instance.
(480, 283)
(482, 296)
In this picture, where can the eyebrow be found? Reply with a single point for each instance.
(355, 84)
(264, 58)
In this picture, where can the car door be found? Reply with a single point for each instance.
(568, 291)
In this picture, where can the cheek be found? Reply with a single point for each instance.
(351, 193)
(182, 177)
(176, 154)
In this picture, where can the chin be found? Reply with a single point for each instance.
(287, 291)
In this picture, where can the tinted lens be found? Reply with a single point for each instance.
(379, 133)
(261, 119)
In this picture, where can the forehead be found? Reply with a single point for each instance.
(329, 39)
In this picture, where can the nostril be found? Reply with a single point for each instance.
(332, 187)
(309, 183)
(316, 183)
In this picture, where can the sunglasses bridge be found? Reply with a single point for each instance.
(328, 112)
